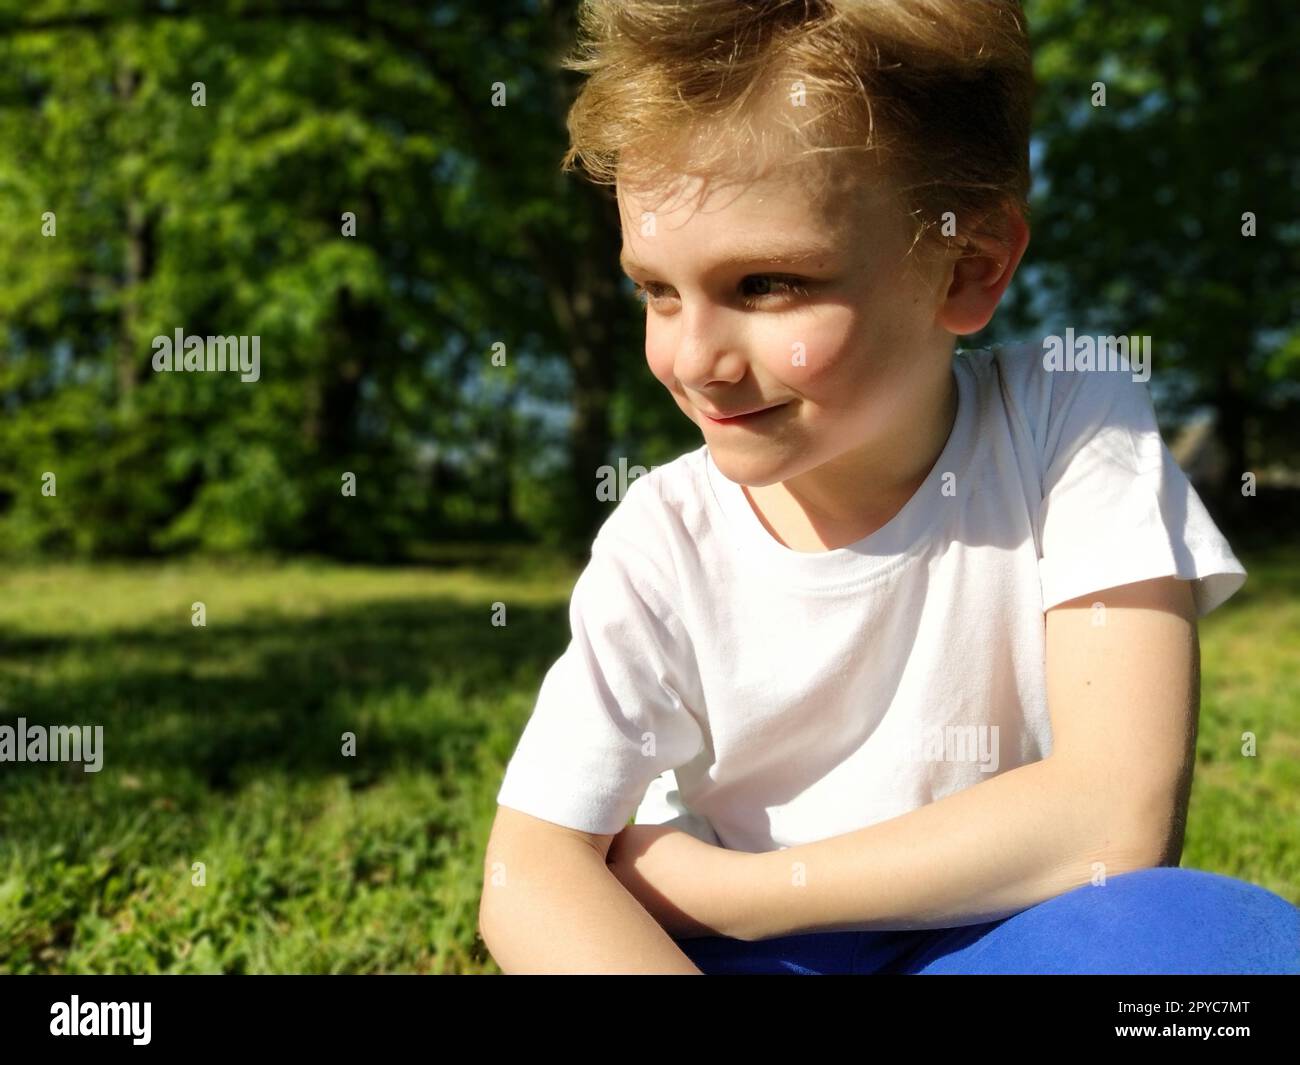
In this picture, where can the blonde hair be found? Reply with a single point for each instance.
(939, 91)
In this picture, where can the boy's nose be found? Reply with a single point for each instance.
(708, 352)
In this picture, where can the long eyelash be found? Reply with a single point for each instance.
(790, 286)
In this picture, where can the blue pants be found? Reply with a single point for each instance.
(1161, 920)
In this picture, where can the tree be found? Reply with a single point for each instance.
(1142, 206)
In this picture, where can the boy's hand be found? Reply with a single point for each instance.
(688, 886)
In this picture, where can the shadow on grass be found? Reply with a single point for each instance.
(417, 681)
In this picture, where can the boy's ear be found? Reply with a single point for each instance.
(980, 274)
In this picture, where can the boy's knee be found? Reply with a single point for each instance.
(1164, 905)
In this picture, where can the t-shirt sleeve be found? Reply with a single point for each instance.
(1116, 507)
(609, 717)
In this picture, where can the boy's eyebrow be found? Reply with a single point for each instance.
(747, 254)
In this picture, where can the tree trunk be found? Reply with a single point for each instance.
(138, 267)
(595, 308)
(1233, 409)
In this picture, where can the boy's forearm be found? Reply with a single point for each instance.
(980, 854)
(556, 908)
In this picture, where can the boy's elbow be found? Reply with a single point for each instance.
(1149, 835)
(489, 921)
(483, 931)
(1157, 823)
(489, 901)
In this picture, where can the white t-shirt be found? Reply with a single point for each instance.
(761, 697)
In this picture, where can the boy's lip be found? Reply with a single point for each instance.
(743, 412)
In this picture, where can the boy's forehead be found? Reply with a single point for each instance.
(788, 214)
(664, 190)
(772, 248)
(783, 199)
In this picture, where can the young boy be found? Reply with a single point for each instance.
(910, 642)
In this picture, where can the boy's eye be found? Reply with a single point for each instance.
(763, 285)
(645, 293)
(775, 284)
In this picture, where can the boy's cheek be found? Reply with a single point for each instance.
(659, 358)
(663, 373)
(814, 348)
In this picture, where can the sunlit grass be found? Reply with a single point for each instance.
(223, 746)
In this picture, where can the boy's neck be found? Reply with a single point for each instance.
(849, 498)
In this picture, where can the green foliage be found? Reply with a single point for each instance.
(1138, 208)
(227, 219)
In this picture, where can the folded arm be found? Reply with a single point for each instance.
(551, 905)
(1123, 697)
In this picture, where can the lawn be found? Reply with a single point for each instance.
(223, 745)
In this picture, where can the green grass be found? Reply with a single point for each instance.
(1244, 819)
(223, 746)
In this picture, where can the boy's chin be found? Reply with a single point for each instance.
(750, 467)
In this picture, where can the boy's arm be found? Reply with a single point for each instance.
(551, 905)
(1123, 698)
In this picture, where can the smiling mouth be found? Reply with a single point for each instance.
(740, 419)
